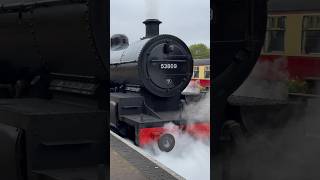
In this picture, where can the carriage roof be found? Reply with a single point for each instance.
(294, 5)
(201, 62)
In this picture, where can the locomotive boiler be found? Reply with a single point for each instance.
(147, 78)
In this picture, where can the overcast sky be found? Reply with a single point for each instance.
(186, 19)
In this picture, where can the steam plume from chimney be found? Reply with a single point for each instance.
(151, 9)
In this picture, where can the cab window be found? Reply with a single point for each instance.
(311, 35)
(207, 72)
(196, 72)
(275, 34)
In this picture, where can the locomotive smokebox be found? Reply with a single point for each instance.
(160, 64)
(152, 27)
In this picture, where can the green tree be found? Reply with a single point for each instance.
(200, 51)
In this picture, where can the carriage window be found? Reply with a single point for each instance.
(196, 72)
(207, 72)
(311, 35)
(275, 34)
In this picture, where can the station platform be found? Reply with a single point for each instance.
(130, 162)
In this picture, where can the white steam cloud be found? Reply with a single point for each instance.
(286, 141)
(190, 157)
(268, 79)
(198, 111)
(291, 152)
(152, 10)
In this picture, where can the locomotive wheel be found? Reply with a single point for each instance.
(166, 142)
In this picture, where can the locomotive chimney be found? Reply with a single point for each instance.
(152, 27)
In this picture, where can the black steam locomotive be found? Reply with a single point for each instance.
(147, 78)
(53, 100)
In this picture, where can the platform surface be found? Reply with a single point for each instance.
(121, 169)
(130, 162)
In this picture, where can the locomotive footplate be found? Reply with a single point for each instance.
(149, 129)
(147, 121)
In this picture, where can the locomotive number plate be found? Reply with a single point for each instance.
(168, 66)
